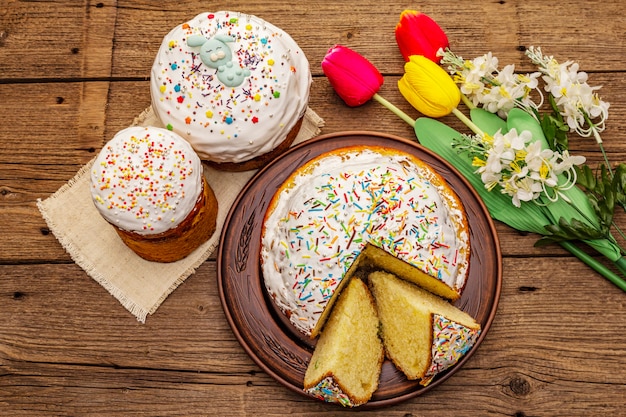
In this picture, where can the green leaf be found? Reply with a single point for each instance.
(488, 122)
(555, 131)
(603, 192)
(560, 138)
(549, 130)
(585, 177)
(579, 230)
(521, 120)
(578, 207)
(565, 231)
(619, 179)
(607, 248)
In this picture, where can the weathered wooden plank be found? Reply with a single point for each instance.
(65, 126)
(40, 40)
(191, 324)
(66, 389)
(473, 29)
(53, 40)
(63, 357)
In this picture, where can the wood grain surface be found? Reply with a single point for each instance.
(75, 72)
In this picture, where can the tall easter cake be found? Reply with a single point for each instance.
(148, 183)
(233, 85)
(360, 206)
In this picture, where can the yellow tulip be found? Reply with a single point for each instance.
(428, 87)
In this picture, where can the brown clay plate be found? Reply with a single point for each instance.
(267, 336)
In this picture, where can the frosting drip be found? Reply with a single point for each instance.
(327, 215)
(231, 84)
(146, 180)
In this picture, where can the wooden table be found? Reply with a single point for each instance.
(73, 73)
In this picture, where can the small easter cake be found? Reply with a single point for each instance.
(360, 206)
(148, 183)
(233, 85)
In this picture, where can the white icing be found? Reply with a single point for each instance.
(231, 124)
(322, 223)
(146, 180)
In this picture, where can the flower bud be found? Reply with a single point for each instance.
(418, 34)
(428, 87)
(352, 76)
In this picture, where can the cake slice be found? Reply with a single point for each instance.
(347, 360)
(423, 334)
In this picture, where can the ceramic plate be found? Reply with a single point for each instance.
(276, 346)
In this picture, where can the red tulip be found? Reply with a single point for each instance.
(418, 34)
(352, 76)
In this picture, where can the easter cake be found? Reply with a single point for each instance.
(148, 183)
(360, 207)
(233, 85)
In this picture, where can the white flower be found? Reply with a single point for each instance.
(521, 189)
(566, 162)
(578, 102)
(519, 165)
(498, 91)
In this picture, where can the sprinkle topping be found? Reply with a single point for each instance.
(328, 390)
(146, 180)
(451, 341)
(338, 203)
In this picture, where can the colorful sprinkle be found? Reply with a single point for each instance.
(451, 341)
(327, 390)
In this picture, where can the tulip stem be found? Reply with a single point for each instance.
(394, 110)
(467, 122)
(467, 102)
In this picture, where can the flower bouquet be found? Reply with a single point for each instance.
(516, 156)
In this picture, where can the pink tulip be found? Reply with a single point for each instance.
(352, 76)
(418, 34)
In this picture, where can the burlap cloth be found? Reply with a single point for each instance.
(140, 286)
